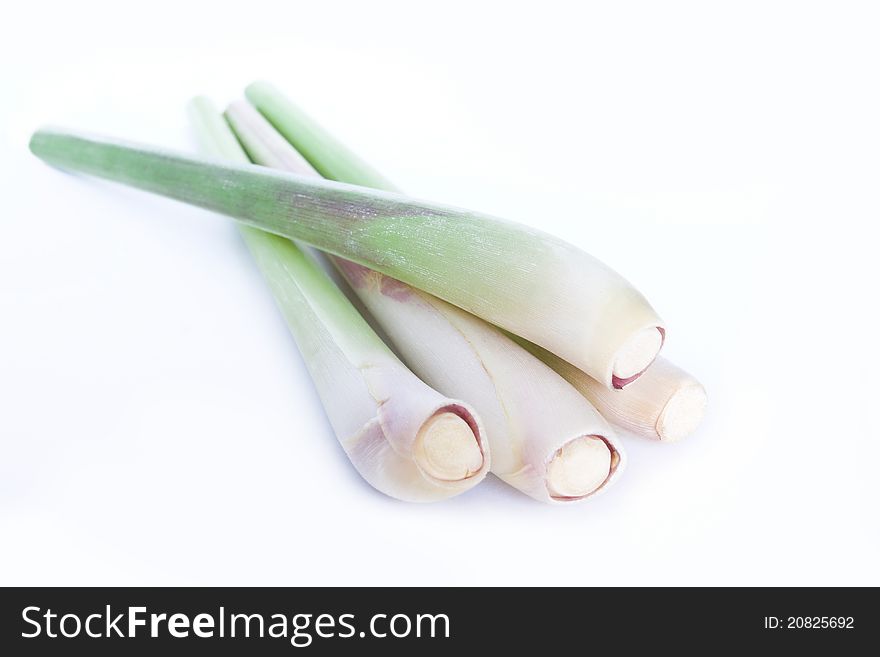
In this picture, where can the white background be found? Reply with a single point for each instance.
(157, 425)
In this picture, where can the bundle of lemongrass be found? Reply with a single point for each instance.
(517, 345)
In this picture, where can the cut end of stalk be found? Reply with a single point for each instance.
(636, 354)
(447, 449)
(682, 413)
(579, 468)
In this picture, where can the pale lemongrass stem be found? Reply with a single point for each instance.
(546, 440)
(406, 439)
(666, 403)
(579, 468)
(634, 351)
(516, 277)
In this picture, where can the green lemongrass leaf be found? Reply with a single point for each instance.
(351, 331)
(330, 157)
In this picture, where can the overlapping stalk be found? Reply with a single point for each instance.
(523, 280)
(545, 439)
(666, 403)
(405, 439)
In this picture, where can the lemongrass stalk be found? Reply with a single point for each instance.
(634, 349)
(666, 403)
(516, 277)
(546, 440)
(405, 439)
